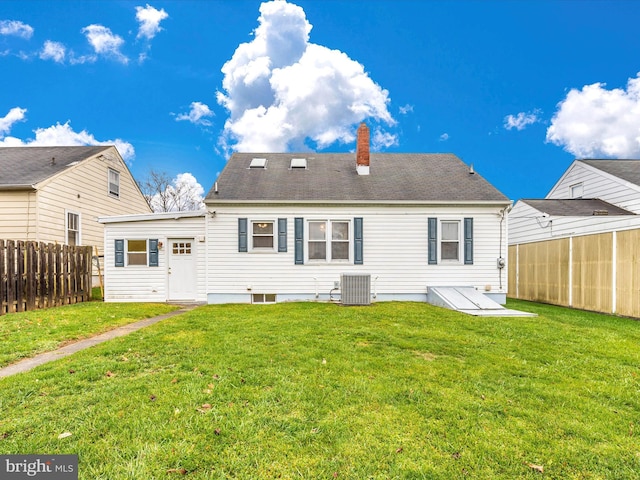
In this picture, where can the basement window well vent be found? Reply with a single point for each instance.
(299, 163)
(263, 298)
(258, 163)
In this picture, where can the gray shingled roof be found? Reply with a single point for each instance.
(332, 177)
(576, 207)
(628, 170)
(26, 166)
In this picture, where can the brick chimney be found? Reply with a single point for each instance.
(362, 150)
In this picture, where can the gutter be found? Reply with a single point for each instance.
(17, 187)
(361, 202)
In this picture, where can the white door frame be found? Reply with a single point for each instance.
(182, 282)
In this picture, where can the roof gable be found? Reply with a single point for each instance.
(28, 166)
(332, 177)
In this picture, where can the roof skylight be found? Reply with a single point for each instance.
(258, 163)
(298, 163)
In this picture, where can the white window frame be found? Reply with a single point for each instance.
(67, 227)
(127, 252)
(576, 187)
(273, 235)
(441, 223)
(115, 193)
(329, 240)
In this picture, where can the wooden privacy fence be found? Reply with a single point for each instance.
(40, 275)
(599, 272)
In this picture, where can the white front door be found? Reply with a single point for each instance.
(182, 269)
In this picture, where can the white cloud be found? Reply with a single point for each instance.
(596, 122)
(16, 28)
(53, 51)
(149, 19)
(406, 109)
(197, 115)
(104, 42)
(16, 114)
(382, 139)
(62, 135)
(521, 120)
(281, 90)
(444, 137)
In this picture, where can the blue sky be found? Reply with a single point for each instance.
(517, 88)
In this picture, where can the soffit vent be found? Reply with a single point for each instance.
(299, 163)
(258, 163)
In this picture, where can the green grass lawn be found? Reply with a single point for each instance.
(313, 391)
(26, 334)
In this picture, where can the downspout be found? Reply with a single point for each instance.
(503, 214)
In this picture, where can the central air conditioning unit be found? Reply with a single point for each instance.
(355, 289)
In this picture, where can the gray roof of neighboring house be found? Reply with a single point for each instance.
(576, 207)
(628, 170)
(332, 177)
(21, 167)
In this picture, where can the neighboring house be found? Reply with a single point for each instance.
(284, 227)
(576, 247)
(56, 194)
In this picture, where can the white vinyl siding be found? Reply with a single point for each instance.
(18, 212)
(142, 283)
(395, 253)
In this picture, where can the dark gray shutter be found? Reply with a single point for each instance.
(153, 252)
(433, 240)
(119, 251)
(357, 241)
(242, 235)
(282, 234)
(299, 240)
(468, 241)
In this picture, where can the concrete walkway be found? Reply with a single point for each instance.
(30, 363)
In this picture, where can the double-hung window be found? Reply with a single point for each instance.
(136, 252)
(73, 228)
(328, 240)
(114, 183)
(450, 240)
(262, 235)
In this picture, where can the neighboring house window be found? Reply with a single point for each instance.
(328, 240)
(576, 190)
(450, 240)
(137, 252)
(114, 183)
(262, 235)
(73, 228)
